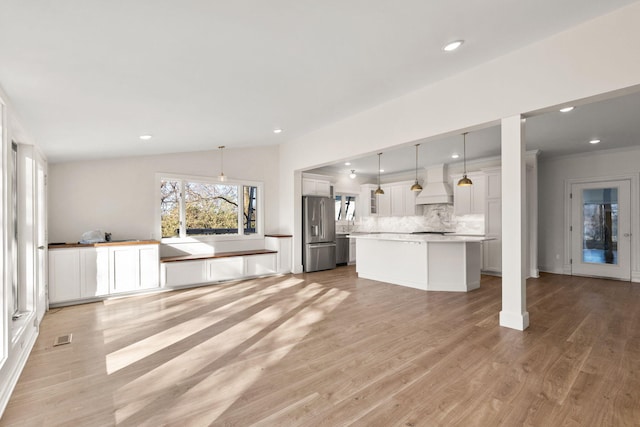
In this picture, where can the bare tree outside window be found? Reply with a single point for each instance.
(209, 208)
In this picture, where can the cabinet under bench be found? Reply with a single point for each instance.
(198, 269)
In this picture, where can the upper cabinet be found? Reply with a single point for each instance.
(316, 187)
(397, 200)
(470, 199)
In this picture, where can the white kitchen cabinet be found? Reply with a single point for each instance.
(492, 249)
(384, 201)
(316, 187)
(260, 265)
(281, 244)
(94, 271)
(230, 268)
(133, 268)
(77, 273)
(397, 200)
(185, 273)
(469, 199)
(64, 275)
(368, 200)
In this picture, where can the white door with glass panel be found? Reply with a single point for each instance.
(601, 229)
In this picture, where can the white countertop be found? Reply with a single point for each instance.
(429, 238)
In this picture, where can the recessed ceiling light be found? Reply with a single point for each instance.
(381, 170)
(146, 137)
(347, 163)
(277, 130)
(594, 141)
(455, 155)
(566, 109)
(450, 47)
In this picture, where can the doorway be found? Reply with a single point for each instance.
(601, 229)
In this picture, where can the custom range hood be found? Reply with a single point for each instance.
(436, 189)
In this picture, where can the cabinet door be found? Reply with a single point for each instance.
(397, 200)
(494, 186)
(384, 202)
(225, 269)
(409, 201)
(94, 272)
(308, 187)
(125, 269)
(323, 188)
(461, 199)
(149, 266)
(258, 265)
(478, 194)
(493, 218)
(185, 273)
(64, 275)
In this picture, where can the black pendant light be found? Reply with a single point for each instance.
(464, 181)
(416, 186)
(379, 190)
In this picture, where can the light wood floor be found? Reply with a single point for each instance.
(330, 349)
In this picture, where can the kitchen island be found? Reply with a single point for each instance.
(423, 261)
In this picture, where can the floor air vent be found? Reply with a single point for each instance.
(62, 340)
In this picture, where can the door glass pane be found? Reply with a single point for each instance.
(600, 226)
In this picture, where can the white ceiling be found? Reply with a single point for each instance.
(87, 77)
(615, 122)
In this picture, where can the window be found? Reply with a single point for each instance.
(345, 207)
(203, 207)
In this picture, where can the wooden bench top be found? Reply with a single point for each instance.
(217, 255)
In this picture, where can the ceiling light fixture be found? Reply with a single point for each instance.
(379, 190)
(277, 130)
(347, 163)
(416, 186)
(594, 141)
(455, 155)
(464, 181)
(221, 177)
(352, 175)
(146, 137)
(566, 109)
(450, 47)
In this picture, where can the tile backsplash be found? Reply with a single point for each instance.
(438, 217)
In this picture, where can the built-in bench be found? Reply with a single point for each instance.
(193, 269)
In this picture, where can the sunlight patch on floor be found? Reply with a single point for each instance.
(192, 361)
(227, 384)
(137, 351)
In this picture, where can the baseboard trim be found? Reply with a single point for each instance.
(635, 276)
(553, 270)
(517, 321)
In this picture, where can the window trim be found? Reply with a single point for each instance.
(214, 237)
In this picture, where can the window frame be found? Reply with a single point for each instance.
(183, 237)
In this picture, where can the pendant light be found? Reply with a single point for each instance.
(353, 175)
(416, 186)
(222, 177)
(464, 181)
(379, 190)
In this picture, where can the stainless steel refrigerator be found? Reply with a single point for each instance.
(319, 233)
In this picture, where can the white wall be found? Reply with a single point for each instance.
(582, 62)
(552, 177)
(119, 195)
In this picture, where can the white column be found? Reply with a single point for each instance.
(514, 228)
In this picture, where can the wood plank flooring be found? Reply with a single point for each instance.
(329, 349)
